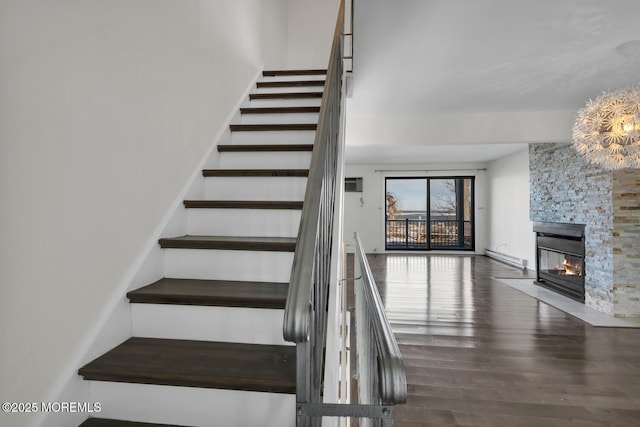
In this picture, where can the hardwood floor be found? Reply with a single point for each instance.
(479, 353)
(203, 364)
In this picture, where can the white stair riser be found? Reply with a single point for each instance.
(289, 89)
(228, 265)
(226, 324)
(192, 406)
(279, 118)
(273, 137)
(243, 222)
(269, 159)
(285, 102)
(255, 188)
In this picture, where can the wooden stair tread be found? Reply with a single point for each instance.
(106, 422)
(189, 363)
(263, 147)
(285, 95)
(255, 172)
(226, 293)
(289, 83)
(268, 127)
(305, 72)
(242, 204)
(278, 110)
(270, 244)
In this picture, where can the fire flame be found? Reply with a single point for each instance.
(568, 268)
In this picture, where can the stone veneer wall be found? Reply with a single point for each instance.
(565, 188)
(626, 243)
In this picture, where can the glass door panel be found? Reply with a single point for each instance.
(429, 213)
(406, 213)
(443, 208)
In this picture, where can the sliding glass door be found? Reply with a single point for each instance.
(429, 213)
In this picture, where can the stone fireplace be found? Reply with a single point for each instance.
(564, 188)
(560, 258)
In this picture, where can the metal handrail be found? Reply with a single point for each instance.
(298, 308)
(305, 317)
(391, 372)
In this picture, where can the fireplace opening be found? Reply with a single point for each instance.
(560, 264)
(560, 258)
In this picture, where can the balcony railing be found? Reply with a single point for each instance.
(440, 234)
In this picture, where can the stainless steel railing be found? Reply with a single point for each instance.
(381, 373)
(305, 318)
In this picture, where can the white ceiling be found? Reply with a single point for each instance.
(424, 57)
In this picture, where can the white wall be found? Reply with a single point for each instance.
(365, 212)
(510, 230)
(502, 204)
(310, 28)
(106, 107)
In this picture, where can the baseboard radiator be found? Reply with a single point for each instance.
(507, 259)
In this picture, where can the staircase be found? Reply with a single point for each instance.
(207, 346)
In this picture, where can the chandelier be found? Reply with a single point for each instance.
(607, 130)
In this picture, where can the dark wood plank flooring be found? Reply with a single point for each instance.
(233, 366)
(225, 293)
(309, 72)
(255, 172)
(276, 244)
(289, 83)
(286, 95)
(242, 204)
(248, 148)
(278, 110)
(266, 127)
(104, 422)
(479, 353)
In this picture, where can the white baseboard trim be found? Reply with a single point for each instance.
(507, 259)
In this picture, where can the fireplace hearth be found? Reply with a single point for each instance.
(560, 258)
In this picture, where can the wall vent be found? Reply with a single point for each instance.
(353, 185)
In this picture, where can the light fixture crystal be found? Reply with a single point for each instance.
(607, 130)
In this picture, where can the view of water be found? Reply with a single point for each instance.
(435, 216)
